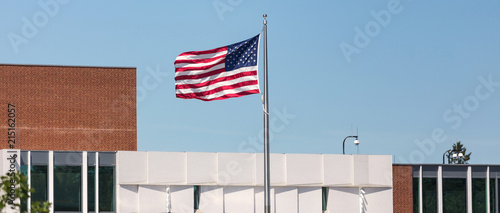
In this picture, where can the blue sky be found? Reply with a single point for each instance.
(412, 76)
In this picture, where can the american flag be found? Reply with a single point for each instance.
(220, 73)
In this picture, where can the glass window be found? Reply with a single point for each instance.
(24, 202)
(39, 183)
(324, 191)
(492, 194)
(479, 195)
(429, 193)
(454, 195)
(67, 188)
(106, 188)
(415, 195)
(196, 197)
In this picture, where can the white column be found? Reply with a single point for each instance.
(469, 189)
(50, 180)
(29, 181)
(97, 182)
(440, 189)
(420, 191)
(488, 190)
(84, 183)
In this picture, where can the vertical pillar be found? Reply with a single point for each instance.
(420, 191)
(96, 182)
(50, 180)
(84, 183)
(29, 181)
(440, 189)
(488, 205)
(469, 189)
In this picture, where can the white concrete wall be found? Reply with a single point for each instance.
(232, 182)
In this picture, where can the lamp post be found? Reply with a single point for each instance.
(447, 151)
(356, 142)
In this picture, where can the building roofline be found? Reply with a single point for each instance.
(74, 66)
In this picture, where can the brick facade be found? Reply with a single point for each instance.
(69, 107)
(402, 183)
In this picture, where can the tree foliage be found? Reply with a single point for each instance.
(457, 148)
(15, 188)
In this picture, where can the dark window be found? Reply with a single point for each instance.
(324, 191)
(106, 188)
(429, 194)
(454, 195)
(415, 195)
(67, 188)
(196, 197)
(479, 195)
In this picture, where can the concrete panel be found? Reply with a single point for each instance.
(338, 170)
(132, 167)
(380, 170)
(128, 200)
(343, 200)
(238, 199)
(277, 168)
(165, 168)
(211, 199)
(201, 168)
(182, 199)
(361, 170)
(310, 199)
(304, 169)
(378, 200)
(236, 169)
(259, 200)
(286, 199)
(152, 198)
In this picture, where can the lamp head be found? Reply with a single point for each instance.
(460, 154)
(454, 155)
(356, 142)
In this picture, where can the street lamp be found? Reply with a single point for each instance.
(356, 142)
(447, 151)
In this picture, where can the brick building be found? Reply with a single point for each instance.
(68, 107)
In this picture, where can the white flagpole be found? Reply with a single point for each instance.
(267, 200)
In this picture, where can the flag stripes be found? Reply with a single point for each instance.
(220, 73)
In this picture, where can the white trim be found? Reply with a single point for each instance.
(488, 205)
(469, 189)
(440, 189)
(96, 182)
(84, 183)
(50, 180)
(420, 191)
(28, 203)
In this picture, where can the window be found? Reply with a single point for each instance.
(479, 189)
(24, 202)
(454, 189)
(429, 189)
(67, 181)
(416, 195)
(196, 197)
(67, 188)
(106, 188)
(324, 194)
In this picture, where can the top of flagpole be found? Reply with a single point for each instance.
(265, 20)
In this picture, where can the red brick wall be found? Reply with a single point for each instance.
(402, 183)
(69, 108)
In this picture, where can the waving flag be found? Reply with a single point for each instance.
(220, 73)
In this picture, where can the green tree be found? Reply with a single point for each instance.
(462, 156)
(15, 187)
